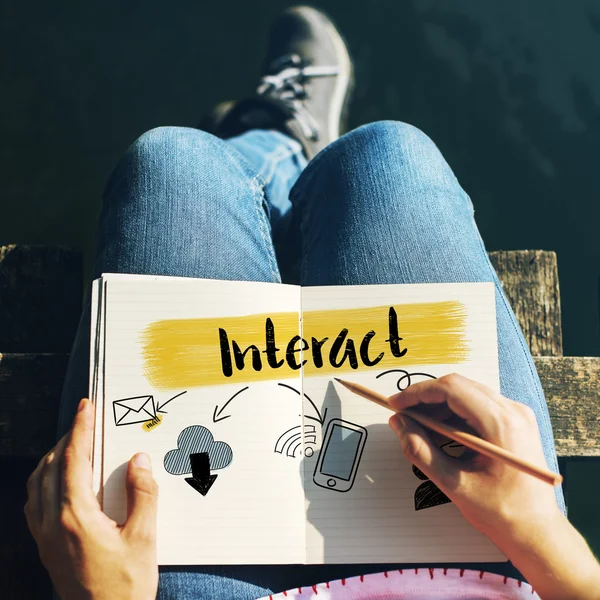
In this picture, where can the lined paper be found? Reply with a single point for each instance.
(273, 503)
(376, 521)
(259, 487)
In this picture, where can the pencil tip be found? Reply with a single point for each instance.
(338, 380)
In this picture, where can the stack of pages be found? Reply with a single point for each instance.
(261, 457)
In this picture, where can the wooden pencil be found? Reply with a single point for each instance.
(467, 439)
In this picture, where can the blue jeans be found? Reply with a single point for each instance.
(379, 205)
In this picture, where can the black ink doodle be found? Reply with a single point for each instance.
(319, 418)
(428, 495)
(217, 412)
(290, 441)
(138, 409)
(406, 378)
(343, 348)
(196, 439)
(201, 479)
(340, 455)
(159, 408)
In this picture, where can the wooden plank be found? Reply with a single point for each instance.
(530, 282)
(30, 389)
(40, 298)
(572, 388)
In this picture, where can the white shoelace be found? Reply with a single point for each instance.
(286, 88)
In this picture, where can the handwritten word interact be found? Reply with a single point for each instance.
(342, 348)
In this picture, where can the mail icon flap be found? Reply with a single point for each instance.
(129, 411)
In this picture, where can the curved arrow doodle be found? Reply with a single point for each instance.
(320, 419)
(159, 408)
(217, 412)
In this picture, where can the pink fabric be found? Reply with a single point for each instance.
(418, 584)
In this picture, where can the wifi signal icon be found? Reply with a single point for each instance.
(290, 441)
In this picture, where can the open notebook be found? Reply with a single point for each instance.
(260, 456)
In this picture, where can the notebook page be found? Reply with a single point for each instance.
(361, 493)
(96, 385)
(97, 352)
(96, 379)
(253, 511)
(96, 325)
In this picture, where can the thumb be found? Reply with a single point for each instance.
(423, 452)
(142, 500)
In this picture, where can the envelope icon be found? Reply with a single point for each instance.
(129, 411)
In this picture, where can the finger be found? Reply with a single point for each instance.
(50, 487)
(468, 401)
(76, 465)
(423, 452)
(142, 501)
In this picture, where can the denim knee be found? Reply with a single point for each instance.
(165, 141)
(405, 141)
(184, 202)
(395, 145)
(395, 158)
(165, 157)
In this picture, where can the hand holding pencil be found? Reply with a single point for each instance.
(462, 437)
(492, 494)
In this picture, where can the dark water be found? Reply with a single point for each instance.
(509, 91)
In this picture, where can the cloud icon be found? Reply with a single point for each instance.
(194, 440)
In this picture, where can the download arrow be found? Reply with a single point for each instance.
(201, 479)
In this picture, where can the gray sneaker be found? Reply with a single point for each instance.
(305, 88)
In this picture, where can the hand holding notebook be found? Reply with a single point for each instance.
(86, 553)
(122, 560)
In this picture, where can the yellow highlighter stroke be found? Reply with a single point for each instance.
(184, 353)
(152, 423)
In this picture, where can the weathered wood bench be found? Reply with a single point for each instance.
(40, 302)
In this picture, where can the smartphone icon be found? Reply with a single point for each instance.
(342, 448)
